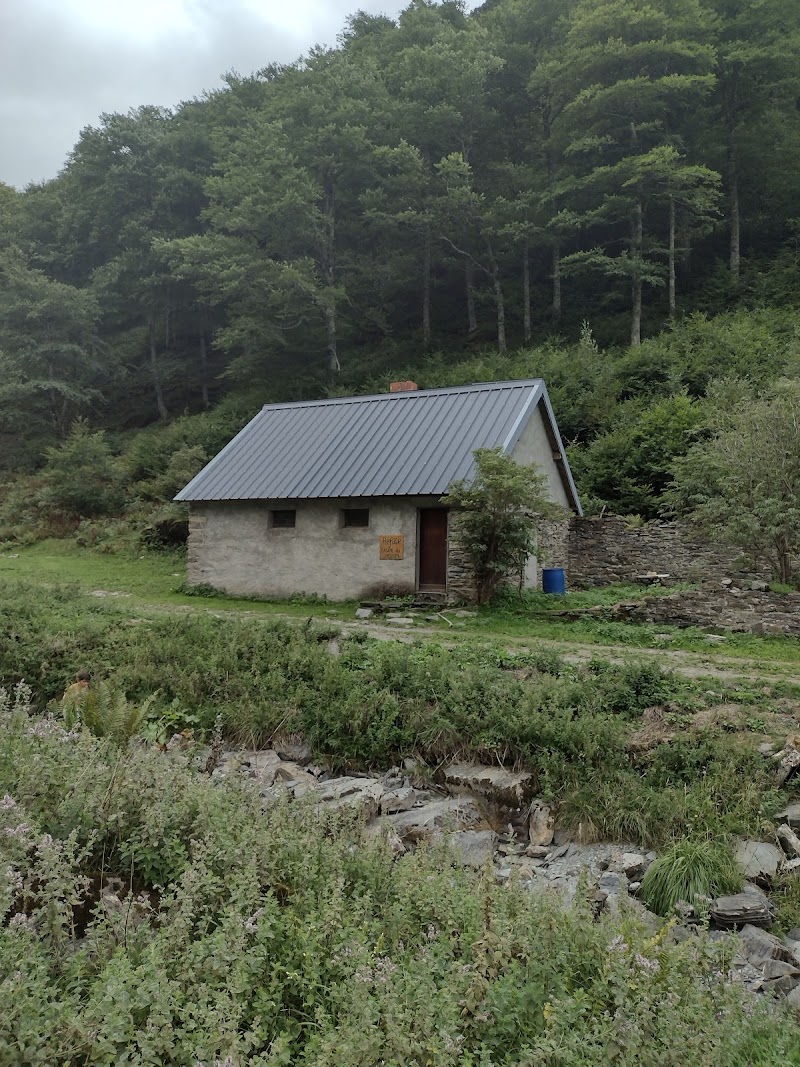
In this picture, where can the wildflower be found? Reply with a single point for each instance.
(644, 963)
(7, 803)
(619, 944)
(21, 921)
(18, 832)
(251, 924)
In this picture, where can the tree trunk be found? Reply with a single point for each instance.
(636, 280)
(204, 371)
(731, 109)
(733, 194)
(469, 278)
(526, 292)
(426, 292)
(685, 242)
(784, 559)
(671, 258)
(155, 374)
(499, 302)
(556, 282)
(330, 327)
(327, 263)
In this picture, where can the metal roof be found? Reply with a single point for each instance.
(394, 444)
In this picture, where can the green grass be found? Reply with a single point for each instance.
(157, 580)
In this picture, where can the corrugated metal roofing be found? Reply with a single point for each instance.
(394, 444)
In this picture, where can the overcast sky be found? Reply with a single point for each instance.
(63, 62)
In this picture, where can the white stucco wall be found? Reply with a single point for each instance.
(233, 547)
(535, 447)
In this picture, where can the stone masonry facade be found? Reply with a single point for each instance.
(605, 551)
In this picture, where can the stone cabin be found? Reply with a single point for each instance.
(341, 498)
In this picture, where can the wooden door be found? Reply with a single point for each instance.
(432, 548)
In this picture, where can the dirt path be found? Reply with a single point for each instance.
(690, 664)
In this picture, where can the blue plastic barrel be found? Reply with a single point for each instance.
(554, 580)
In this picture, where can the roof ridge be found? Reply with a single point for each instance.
(406, 394)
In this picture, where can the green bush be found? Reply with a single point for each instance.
(692, 872)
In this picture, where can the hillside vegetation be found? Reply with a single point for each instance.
(601, 192)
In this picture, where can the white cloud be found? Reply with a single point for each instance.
(64, 62)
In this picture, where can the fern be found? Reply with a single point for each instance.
(107, 712)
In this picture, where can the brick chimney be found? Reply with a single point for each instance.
(403, 387)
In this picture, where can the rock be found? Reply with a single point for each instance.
(633, 865)
(789, 840)
(452, 813)
(364, 793)
(541, 825)
(793, 999)
(293, 775)
(716, 639)
(400, 620)
(463, 614)
(759, 586)
(788, 760)
(794, 934)
(740, 909)
(382, 829)
(726, 582)
(364, 613)
(790, 815)
(779, 969)
(758, 860)
(510, 788)
(295, 751)
(790, 866)
(758, 947)
(472, 848)
(401, 799)
(766, 748)
(781, 986)
(537, 851)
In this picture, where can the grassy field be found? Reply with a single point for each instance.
(157, 580)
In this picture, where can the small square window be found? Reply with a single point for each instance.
(355, 517)
(283, 520)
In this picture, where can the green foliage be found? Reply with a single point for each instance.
(691, 872)
(743, 479)
(497, 511)
(106, 712)
(80, 476)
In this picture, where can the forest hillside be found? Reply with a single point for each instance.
(601, 192)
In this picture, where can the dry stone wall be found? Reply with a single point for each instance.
(753, 611)
(605, 551)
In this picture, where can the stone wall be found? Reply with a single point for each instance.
(604, 551)
(740, 610)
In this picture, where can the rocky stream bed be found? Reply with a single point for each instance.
(486, 817)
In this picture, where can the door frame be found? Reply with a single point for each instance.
(433, 588)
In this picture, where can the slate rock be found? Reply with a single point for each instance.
(758, 860)
(400, 799)
(296, 752)
(789, 840)
(779, 969)
(541, 825)
(362, 793)
(364, 613)
(452, 813)
(472, 848)
(740, 909)
(760, 947)
(494, 783)
(633, 865)
(790, 815)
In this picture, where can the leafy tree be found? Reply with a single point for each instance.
(743, 478)
(498, 511)
(80, 475)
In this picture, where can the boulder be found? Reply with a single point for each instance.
(295, 752)
(789, 840)
(400, 799)
(778, 969)
(364, 613)
(363, 793)
(292, 775)
(790, 815)
(740, 909)
(497, 784)
(452, 813)
(633, 865)
(758, 860)
(472, 848)
(540, 825)
(793, 999)
(760, 947)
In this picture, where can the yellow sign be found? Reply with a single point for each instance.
(393, 546)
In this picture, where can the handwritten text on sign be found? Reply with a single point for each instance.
(393, 546)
